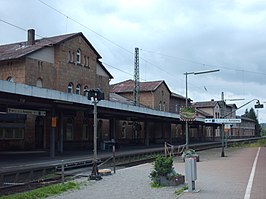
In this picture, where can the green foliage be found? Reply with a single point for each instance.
(163, 169)
(259, 143)
(162, 166)
(180, 191)
(252, 115)
(155, 185)
(44, 191)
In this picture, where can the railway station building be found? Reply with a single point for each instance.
(43, 102)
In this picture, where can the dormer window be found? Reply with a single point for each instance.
(78, 56)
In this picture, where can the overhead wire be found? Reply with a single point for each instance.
(25, 30)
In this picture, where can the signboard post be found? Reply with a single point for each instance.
(223, 120)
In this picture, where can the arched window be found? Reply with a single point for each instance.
(85, 60)
(78, 56)
(69, 56)
(73, 56)
(39, 83)
(160, 106)
(10, 79)
(70, 87)
(86, 88)
(78, 89)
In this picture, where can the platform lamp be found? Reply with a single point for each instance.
(194, 73)
(94, 95)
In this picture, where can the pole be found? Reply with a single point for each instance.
(222, 131)
(95, 131)
(114, 158)
(95, 174)
(62, 172)
(186, 107)
(194, 73)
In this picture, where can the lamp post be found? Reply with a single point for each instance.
(257, 105)
(95, 95)
(194, 73)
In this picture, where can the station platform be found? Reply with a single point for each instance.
(217, 177)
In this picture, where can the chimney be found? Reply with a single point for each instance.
(31, 37)
(222, 96)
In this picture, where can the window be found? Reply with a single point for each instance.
(85, 60)
(78, 56)
(39, 83)
(176, 108)
(40, 65)
(10, 79)
(88, 62)
(73, 55)
(160, 105)
(69, 56)
(11, 133)
(70, 88)
(86, 88)
(85, 133)
(78, 89)
(164, 106)
(69, 129)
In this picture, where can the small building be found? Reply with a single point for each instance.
(245, 129)
(153, 94)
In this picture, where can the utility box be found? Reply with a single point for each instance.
(191, 173)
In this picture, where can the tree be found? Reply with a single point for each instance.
(252, 115)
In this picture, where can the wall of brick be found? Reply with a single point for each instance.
(147, 99)
(15, 69)
(68, 71)
(35, 69)
(176, 103)
(162, 95)
(103, 83)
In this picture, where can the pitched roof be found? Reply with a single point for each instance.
(243, 117)
(232, 105)
(203, 113)
(128, 86)
(21, 49)
(178, 96)
(118, 98)
(103, 67)
(205, 104)
(121, 99)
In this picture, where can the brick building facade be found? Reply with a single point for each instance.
(67, 63)
(154, 94)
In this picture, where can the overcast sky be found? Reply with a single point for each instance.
(174, 37)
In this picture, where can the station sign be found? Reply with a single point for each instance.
(223, 120)
(26, 111)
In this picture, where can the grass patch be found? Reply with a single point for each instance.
(155, 185)
(258, 143)
(45, 191)
(180, 191)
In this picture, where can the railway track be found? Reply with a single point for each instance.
(24, 179)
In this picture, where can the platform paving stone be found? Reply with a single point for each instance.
(218, 177)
